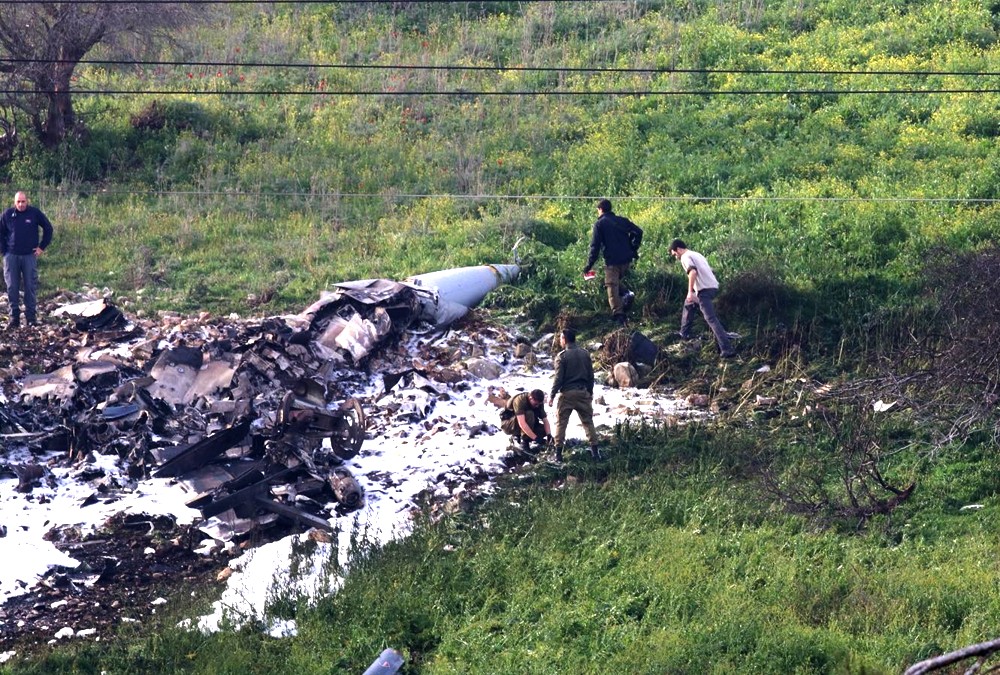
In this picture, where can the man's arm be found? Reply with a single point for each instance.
(526, 430)
(595, 246)
(692, 277)
(557, 378)
(635, 238)
(46, 231)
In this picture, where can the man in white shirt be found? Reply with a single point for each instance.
(702, 289)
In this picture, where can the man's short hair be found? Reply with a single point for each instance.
(569, 334)
(537, 395)
(676, 244)
(604, 205)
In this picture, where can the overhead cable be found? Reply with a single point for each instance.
(471, 92)
(511, 68)
(296, 2)
(526, 197)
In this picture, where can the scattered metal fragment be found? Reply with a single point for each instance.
(59, 385)
(91, 315)
(203, 451)
(27, 476)
(388, 662)
(250, 415)
(346, 487)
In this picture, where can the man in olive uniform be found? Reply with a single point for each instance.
(524, 419)
(574, 383)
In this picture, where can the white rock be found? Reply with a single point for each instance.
(483, 368)
(625, 375)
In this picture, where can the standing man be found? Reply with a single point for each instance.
(574, 383)
(524, 419)
(20, 246)
(702, 289)
(620, 239)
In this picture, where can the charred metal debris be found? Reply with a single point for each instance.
(250, 415)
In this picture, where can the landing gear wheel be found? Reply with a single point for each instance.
(349, 434)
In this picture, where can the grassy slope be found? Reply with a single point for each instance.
(263, 168)
(667, 561)
(664, 561)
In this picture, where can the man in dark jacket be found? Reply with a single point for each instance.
(620, 239)
(524, 419)
(20, 245)
(574, 383)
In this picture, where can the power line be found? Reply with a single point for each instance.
(524, 197)
(302, 2)
(471, 92)
(514, 68)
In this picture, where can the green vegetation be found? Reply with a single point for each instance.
(661, 562)
(807, 538)
(351, 185)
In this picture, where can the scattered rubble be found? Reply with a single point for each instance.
(250, 415)
(230, 408)
(115, 582)
(258, 419)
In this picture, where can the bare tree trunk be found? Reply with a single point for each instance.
(60, 117)
(44, 42)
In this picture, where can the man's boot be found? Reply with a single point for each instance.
(525, 445)
(15, 321)
(628, 297)
(559, 457)
(595, 453)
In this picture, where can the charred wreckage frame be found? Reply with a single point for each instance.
(247, 415)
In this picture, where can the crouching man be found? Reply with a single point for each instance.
(524, 419)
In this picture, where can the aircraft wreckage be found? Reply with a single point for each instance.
(248, 415)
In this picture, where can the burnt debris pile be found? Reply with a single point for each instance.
(251, 415)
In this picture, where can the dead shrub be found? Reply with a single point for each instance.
(617, 346)
(843, 482)
(758, 293)
(150, 118)
(949, 368)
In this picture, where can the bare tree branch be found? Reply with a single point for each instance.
(983, 649)
(44, 42)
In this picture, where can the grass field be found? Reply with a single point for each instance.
(836, 161)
